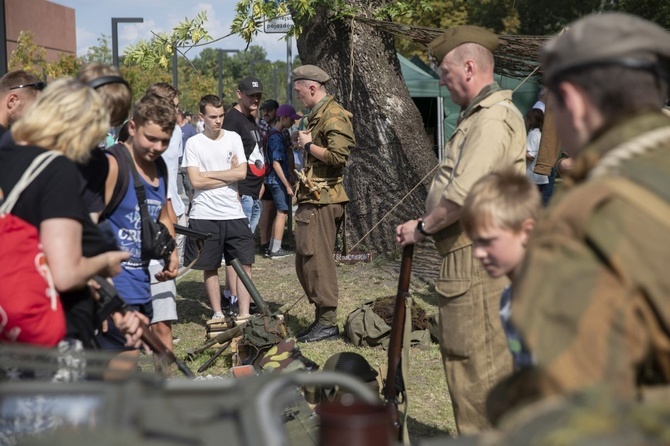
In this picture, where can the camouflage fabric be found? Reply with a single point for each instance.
(330, 126)
(591, 298)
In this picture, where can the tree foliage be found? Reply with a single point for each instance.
(159, 50)
(102, 52)
(32, 57)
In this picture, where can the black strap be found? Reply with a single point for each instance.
(125, 163)
(105, 80)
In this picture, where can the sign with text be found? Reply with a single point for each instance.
(353, 257)
(280, 24)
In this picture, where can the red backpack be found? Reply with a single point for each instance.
(30, 308)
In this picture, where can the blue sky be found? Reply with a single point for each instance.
(94, 18)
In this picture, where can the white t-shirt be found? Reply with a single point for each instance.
(171, 158)
(210, 155)
(533, 147)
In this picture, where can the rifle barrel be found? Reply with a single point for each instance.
(396, 337)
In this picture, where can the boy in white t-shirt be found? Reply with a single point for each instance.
(214, 161)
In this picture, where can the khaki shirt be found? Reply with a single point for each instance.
(330, 126)
(490, 135)
(591, 297)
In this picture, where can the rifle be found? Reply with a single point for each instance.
(199, 237)
(112, 302)
(394, 380)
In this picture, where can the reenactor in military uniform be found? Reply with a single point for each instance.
(592, 295)
(321, 197)
(490, 134)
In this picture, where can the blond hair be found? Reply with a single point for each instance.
(117, 96)
(502, 198)
(68, 117)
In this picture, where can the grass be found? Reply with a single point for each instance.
(430, 412)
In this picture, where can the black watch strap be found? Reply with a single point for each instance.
(421, 226)
(308, 146)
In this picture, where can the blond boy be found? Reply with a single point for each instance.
(498, 215)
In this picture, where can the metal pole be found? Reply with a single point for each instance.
(289, 61)
(220, 59)
(115, 34)
(3, 39)
(274, 78)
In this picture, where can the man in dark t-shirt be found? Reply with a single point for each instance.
(240, 121)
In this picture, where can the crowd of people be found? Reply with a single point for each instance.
(533, 301)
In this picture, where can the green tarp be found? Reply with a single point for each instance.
(422, 84)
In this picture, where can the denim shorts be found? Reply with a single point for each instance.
(279, 196)
(252, 209)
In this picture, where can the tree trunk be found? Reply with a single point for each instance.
(393, 153)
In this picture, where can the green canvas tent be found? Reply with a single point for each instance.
(437, 109)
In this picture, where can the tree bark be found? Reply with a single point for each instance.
(393, 153)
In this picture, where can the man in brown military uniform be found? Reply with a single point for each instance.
(490, 134)
(592, 295)
(327, 143)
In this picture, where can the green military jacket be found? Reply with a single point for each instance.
(592, 296)
(330, 126)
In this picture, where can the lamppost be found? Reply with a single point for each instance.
(220, 54)
(115, 35)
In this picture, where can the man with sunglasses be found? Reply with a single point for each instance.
(18, 89)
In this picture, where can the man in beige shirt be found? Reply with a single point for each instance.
(490, 135)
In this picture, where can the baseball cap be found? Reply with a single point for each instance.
(250, 85)
(270, 104)
(288, 110)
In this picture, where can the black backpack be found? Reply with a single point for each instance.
(123, 179)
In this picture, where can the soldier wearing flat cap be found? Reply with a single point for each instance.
(591, 300)
(321, 197)
(490, 135)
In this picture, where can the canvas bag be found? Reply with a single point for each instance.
(30, 308)
(364, 328)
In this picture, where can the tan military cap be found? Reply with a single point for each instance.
(606, 39)
(459, 35)
(310, 73)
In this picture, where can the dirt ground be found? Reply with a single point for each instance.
(430, 413)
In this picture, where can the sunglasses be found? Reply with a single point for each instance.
(37, 85)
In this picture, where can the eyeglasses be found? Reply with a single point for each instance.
(36, 85)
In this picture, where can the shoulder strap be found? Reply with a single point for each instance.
(117, 151)
(640, 197)
(34, 169)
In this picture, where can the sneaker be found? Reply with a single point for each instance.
(218, 315)
(266, 253)
(264, 249)
(321, 333)
(278, 254)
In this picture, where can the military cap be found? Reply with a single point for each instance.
(310, 73)
(459, 35)
(612, 38)
(250, 85)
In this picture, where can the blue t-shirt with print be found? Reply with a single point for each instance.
(133, 283)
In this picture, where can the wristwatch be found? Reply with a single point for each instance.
(307, 146)
(421, 226)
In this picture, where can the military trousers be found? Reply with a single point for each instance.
(472, 340)
(315, 233)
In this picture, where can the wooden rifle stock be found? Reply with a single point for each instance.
(394, 378)
(114, 302)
